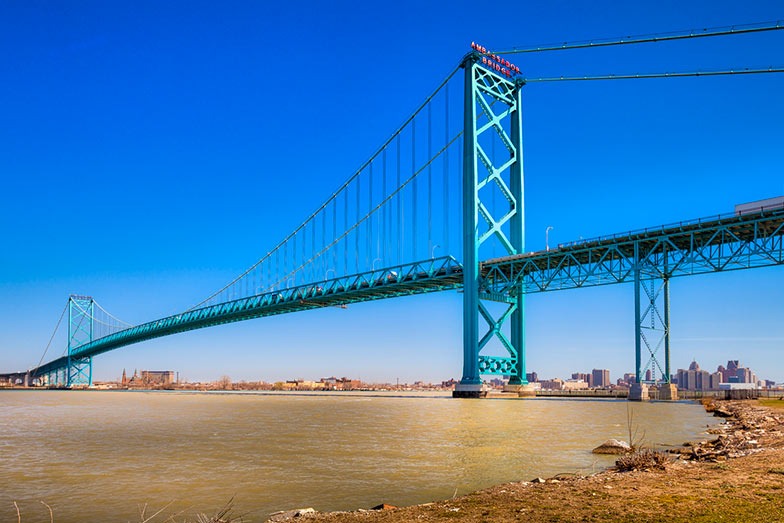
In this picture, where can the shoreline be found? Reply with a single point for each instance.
(735, 475)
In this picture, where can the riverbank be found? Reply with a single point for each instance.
(737, 475)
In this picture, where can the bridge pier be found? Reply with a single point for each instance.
(639, 392)
(469, 390)
(668, 392)
(652, 314)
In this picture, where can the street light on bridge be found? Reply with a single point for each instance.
(547, 237)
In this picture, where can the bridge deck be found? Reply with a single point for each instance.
(417, 278)
(724, 243)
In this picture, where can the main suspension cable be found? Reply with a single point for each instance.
(655, 75)
(654, 37)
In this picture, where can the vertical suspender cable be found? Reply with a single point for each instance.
(430, 179)
(324, 262)
(385, 215)
(312, 265)
(414, 210)
(445, 210)
(369, 224)
(401, 222)
(356, 233)
(304, 270)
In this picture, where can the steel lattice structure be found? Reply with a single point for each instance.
(720, 244)
(492, 114)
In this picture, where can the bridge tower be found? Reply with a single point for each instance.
(79, 370)
(492, 115)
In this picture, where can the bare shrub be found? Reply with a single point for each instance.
(635, 438)
(643, 459)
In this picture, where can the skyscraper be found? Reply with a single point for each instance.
(600, 378)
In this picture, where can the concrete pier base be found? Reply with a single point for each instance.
(527, 391)
(639, 392)
(668, 392)
(463, 390)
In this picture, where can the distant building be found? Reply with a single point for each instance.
(694, 378)
(737, 386)
(532, 377)
(587, 378)
(553, 384)
(715, 380)
(575, 384)
(157, 377)
(600, 378)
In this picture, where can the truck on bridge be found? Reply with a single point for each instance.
(759, 206)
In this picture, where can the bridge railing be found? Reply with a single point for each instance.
(735, 216)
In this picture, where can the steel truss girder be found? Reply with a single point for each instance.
(403, 280)
(492, 105)
(718, 245)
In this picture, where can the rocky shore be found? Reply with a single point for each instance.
(735, 475)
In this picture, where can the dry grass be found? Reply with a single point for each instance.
(777, 403)
(224, 515)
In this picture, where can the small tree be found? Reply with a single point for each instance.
(224, 383)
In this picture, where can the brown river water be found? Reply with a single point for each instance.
(99, 456)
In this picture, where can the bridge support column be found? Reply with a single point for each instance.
(492, 121)
(639, 392)
(652, 320)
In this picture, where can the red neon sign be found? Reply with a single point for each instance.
(496, 62)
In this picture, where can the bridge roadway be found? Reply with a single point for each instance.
(707, 245)
(722, 243)
(416, 278)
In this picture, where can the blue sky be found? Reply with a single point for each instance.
(152, 151)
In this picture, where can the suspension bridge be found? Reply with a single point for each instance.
(440, 206)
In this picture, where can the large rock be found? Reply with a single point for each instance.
(384, 506)
(721, 412)
(285, 516)
(612, 446)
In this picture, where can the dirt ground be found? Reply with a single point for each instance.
(736, 476)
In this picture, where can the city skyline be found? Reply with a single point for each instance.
(151, 157)
(575, 374)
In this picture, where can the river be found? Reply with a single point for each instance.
(101, 455)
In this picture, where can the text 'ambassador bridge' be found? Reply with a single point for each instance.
(439, 206)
